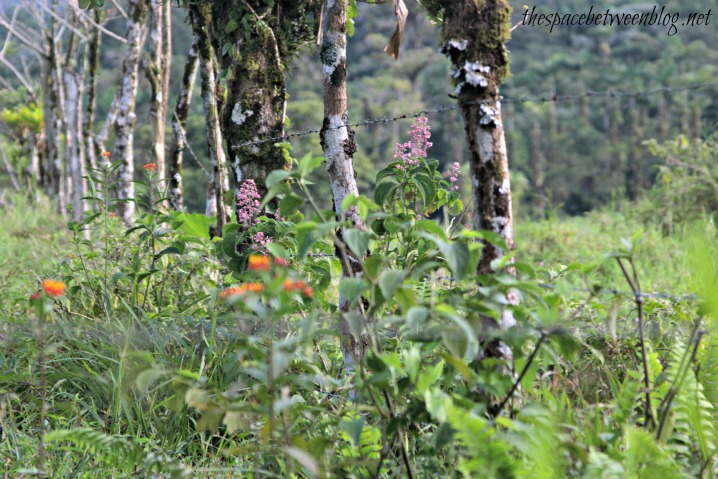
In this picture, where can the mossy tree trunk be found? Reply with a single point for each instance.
(255, 41)
(339, 145)
(474, 34)
(179, 124)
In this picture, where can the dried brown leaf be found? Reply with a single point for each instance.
(392, 48)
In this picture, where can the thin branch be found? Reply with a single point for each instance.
(120, 9)
(86, 17)
(64, 22)
(520, 378)
(635, 287)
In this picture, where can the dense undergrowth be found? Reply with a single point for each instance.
(172, 355)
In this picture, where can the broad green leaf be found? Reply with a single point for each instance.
(351, 288)
(357, 240)
(353, 429)
(389, 281)
(290, 204)
(195, 224)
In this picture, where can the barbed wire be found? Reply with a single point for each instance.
(444, 108)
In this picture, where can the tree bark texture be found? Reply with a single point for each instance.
(125, 121)
(74, 143)
(254, 63)
(199, 17)
(158, 73)
(179, 124)
(339, 145)
(92, 66)
(475, 33)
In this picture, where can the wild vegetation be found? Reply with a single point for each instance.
(386, 333)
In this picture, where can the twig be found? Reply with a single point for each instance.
(525, 369)
(636, 288)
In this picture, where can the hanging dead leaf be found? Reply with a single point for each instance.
(392, 48)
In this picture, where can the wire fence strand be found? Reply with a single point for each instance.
(444, 108)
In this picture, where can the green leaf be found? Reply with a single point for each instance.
(290, 204)
(303, 458)
(195, 224)
(168, 250)
(385, 192)
(389, 281)
(276, 177)
(308, 164)
(426, 187)
(351, 288)
(277, 250)
(457, 256)
(357, 240)
(231, 26)
(353, 429)
(416, 315)
(229, 244)
(147, 378)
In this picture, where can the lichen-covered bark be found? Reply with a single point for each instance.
(254, 63)
(339, 145)
(158, 75)
(126, 119)
(474, 35)
(199, 17)
(179, 123)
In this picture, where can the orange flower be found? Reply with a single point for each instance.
(150, 166)
(299, 285)
(258, 262)
(113, 214)
(242, 289)
(106, 154)
(53, 288)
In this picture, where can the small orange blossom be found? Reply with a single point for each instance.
(258, 262)
(106, 154)
(244, 288)
(150, 166)
(53, 288)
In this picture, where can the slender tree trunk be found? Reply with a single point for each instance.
(74, 155)
(475, 34)
(199, 16)
(126, 119)
(157, 71)
(52, 166)
(92, 66)
(179, 123)
(339, 145)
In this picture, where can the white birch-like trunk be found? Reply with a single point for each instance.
(158, 76)
(126, 119)
(179, 123)
(339, 145)
(74, 151)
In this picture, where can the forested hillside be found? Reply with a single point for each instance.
(571, 155)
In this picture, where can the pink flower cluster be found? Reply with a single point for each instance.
(260, 241)
(247, 203)
(453, 173)
(410, 152)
